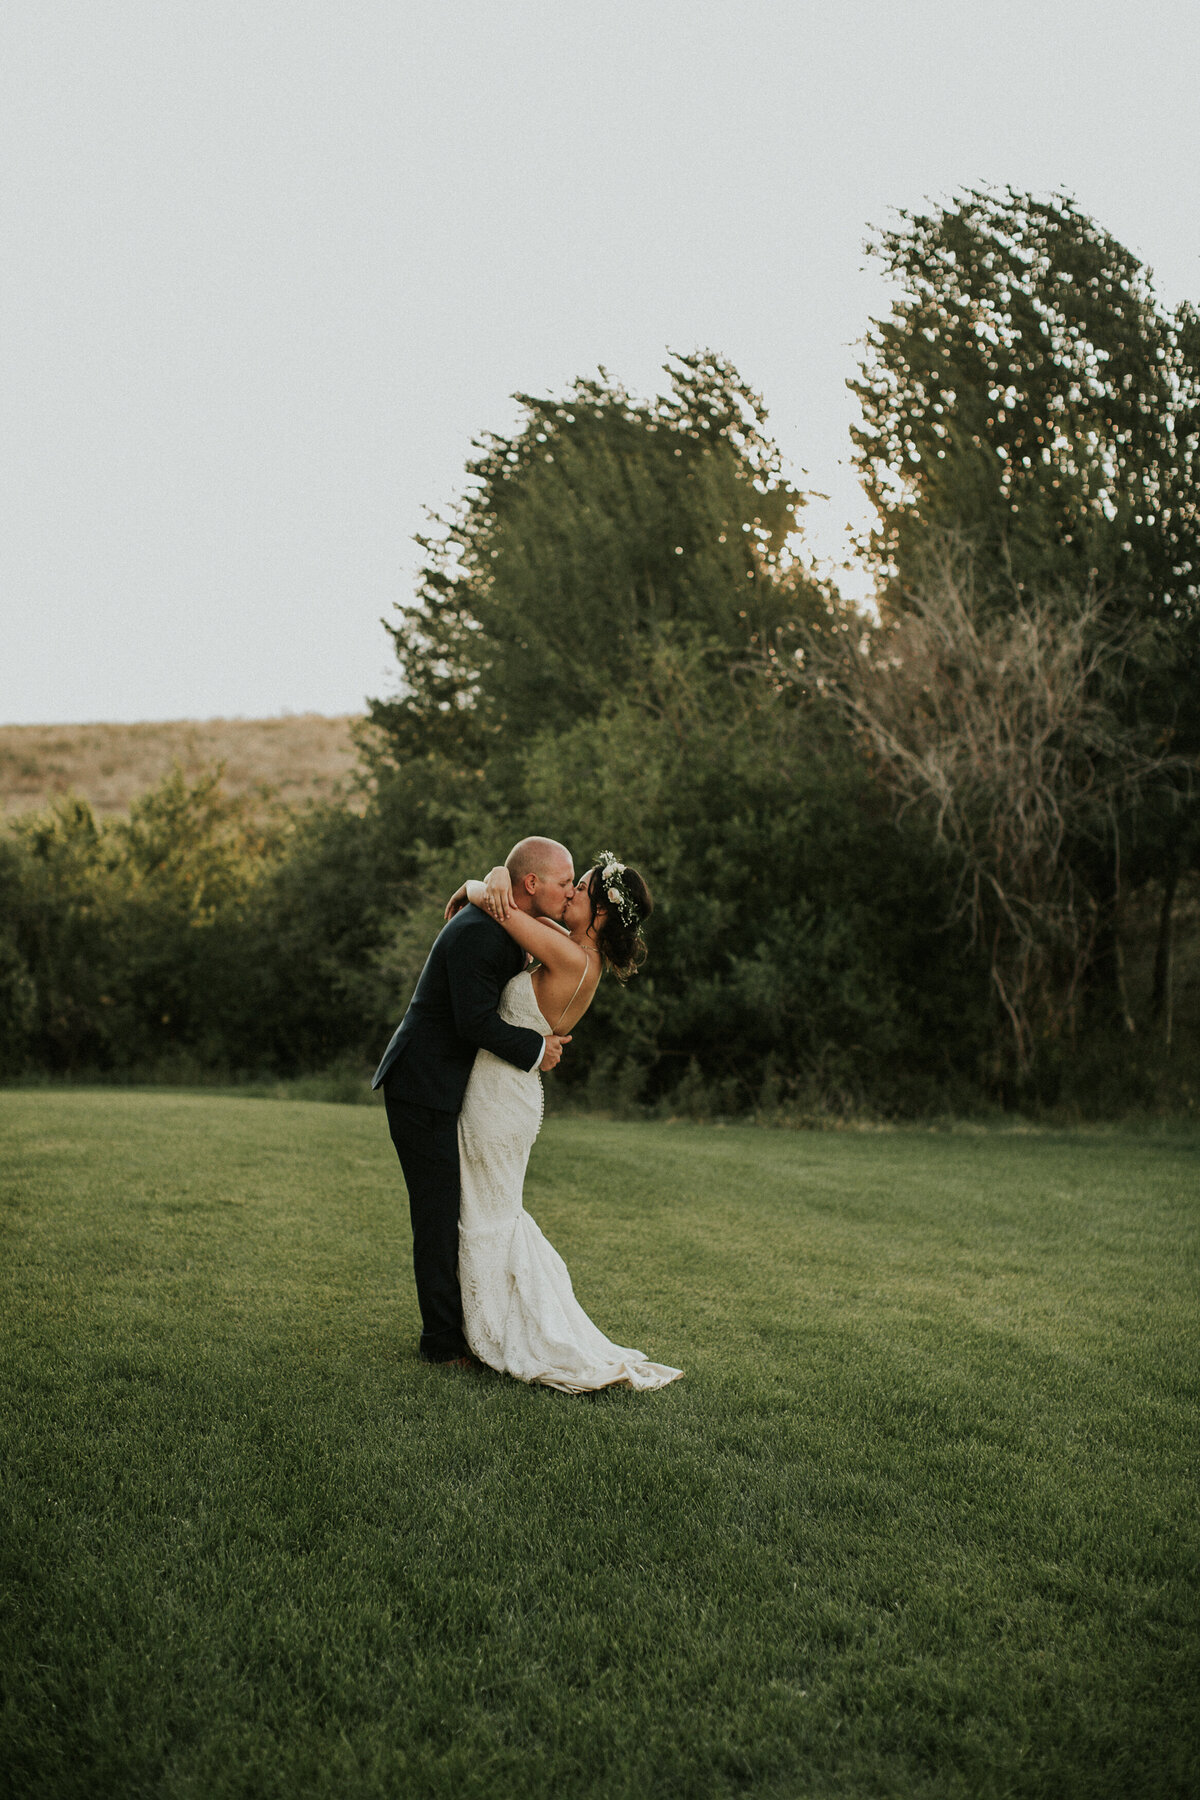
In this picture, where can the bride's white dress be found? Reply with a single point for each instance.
(520, 1313)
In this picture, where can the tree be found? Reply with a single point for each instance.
(999, 727)
(1029, 394)
(604, 526)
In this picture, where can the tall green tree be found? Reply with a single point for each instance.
(602, 527)
(1029, 394)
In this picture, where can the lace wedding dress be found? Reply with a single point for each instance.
(520, 1313)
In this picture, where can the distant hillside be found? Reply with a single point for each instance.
(301, 757)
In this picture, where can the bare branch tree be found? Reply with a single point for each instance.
(1000, 726)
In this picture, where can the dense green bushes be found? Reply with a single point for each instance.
(122, 941)
(200, 935)
(802, 962)
(796, 957)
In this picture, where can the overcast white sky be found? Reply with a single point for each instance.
(270, 265)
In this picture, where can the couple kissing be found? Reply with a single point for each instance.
(510, 975)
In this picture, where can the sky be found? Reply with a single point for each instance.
(272, 265)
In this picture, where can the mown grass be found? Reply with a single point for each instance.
(920, 1519)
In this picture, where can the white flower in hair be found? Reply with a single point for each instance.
(610, 874)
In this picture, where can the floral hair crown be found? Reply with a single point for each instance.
(611, 874)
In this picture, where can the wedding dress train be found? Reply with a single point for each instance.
(520, 1313)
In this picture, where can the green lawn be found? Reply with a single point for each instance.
(919, 1520)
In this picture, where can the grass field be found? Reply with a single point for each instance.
(300, 756)
(920, 1520)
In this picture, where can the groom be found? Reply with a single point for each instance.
(424, 1072)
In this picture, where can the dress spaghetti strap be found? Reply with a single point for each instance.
(570, 1003)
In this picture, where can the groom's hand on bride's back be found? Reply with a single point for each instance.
(555, 1046)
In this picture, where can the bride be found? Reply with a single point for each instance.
(520, 1314)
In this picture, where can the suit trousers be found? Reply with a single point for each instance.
(426, 1141)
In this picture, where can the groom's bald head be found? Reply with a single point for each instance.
(535, 856)
(543, 876)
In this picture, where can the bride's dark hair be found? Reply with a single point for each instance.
(620, 943)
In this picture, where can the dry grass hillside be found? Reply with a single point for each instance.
(300, 757)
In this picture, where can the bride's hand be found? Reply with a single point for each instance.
(497, 890)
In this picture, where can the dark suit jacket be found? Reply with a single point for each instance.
(452, 1014)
